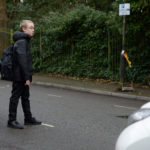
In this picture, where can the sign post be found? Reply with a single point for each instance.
(124, 9)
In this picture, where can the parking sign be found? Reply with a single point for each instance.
(124, 9)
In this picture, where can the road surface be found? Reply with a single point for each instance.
(71, 120)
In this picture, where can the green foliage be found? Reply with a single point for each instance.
(138, 26)
(83, 38)
(74, 43)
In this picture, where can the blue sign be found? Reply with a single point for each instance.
(124, 9)
(122, 6)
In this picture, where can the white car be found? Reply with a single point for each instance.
(137, 135)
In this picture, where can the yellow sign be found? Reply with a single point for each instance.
(127, 59)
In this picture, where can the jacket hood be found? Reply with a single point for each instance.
(20, 35)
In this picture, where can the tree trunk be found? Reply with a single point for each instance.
(3, 15)
(4, 36)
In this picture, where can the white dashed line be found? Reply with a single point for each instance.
(1, 87)
(132, 108)
(54, 95)
(48, 125)
(8, 86)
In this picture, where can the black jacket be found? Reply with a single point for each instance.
(22, 59)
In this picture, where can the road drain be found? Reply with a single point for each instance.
(124, 116)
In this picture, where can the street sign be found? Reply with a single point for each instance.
(124, 9)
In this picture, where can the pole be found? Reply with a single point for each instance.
(122, 59)
(40, 48)
(124, 32)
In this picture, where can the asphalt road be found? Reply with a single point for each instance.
(71, 120)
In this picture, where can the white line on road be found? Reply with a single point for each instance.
(8, 85)
(132, 108)
(2, 87)
(54, 95)
(48, 125)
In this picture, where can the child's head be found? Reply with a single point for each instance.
(27, 26)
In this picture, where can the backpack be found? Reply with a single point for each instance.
(7, 64)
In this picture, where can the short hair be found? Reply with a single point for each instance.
(23, 23)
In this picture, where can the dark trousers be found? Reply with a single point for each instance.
(19, 90)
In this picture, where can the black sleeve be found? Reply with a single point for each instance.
(21, 55)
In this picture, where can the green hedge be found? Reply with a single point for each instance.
(74, 43)
(85, 42)
(77, 43)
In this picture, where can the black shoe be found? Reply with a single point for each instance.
(15, 125)
(32, 121)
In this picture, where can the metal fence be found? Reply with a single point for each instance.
(113, 54)
(114, 50)
(114, 47)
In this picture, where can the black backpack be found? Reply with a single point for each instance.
(7, 64)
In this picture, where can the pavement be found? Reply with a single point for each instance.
(99, 86)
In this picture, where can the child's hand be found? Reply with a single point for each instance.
(27, 82)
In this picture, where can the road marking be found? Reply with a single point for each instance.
(54, 95)
(132, 108)
(48, 125)
(8, 85)
(2, 87)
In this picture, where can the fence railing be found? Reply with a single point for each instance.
(113, 50)
(114, 47)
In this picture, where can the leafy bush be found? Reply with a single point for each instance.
(74, 43)
(77, 40)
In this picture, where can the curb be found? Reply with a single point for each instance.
(100, 92)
